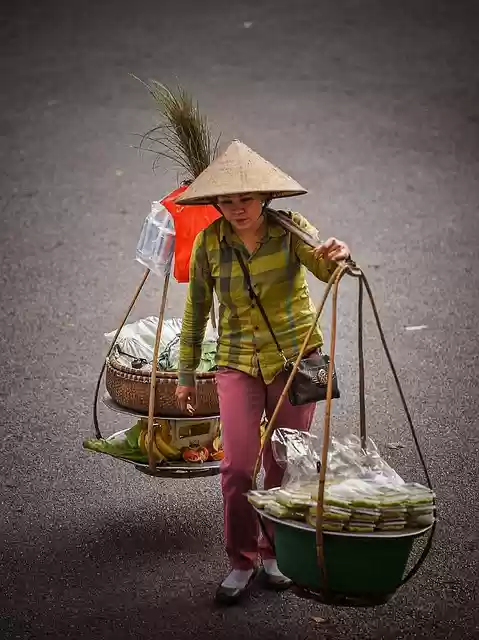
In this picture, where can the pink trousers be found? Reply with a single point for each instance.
(243, 399)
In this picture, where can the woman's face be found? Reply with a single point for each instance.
(243, 210)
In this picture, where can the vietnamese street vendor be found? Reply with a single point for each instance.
(250, 370)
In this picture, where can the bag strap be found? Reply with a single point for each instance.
(254, 298)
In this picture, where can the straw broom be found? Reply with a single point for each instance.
(182, 135)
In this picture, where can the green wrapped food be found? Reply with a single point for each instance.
(392, 497)
(327, 525)
(393, 525)
(417, 494)
(353, 492)
(366, 503)
(260, 498)
(336, 502)
(332, 513)
(393, 513)
(365, 515)
(293, 499)
(336, 527)
(280, 511)
(360, 527)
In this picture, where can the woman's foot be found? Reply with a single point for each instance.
(273, 577)
(235, 585)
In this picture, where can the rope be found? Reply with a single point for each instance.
(97, 388)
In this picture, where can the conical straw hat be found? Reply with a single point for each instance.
(239, 170)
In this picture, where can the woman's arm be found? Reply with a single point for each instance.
(197, 308)
(322, 267)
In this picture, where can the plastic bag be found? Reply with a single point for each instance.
(361, 489)
(295, 452)
(156, 244)
(137, 340)
(189, 221)
(347, 459)
(362, 493)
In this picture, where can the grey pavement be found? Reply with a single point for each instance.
(374, 106)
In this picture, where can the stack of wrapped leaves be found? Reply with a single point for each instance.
(352, 505)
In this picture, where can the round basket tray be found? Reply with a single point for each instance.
(362, 569)
(114, 406)
(130, 388)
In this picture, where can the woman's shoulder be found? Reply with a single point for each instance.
(213, 230)
(298, 219)
(210, 234)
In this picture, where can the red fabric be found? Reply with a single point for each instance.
(243, 399)
(189, 220)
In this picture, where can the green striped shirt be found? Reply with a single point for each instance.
(277, 271)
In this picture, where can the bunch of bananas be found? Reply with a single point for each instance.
(162, 449)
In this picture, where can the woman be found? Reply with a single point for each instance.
(250, 375)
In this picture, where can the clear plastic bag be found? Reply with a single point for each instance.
(137, 340)
(347, 459)
(298, 453)
(295, 452)
(362, 493)
(156, 245)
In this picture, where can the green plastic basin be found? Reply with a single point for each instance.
(357, 565)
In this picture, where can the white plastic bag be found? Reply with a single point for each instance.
(137, 341)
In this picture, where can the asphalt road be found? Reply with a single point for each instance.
(374, 106)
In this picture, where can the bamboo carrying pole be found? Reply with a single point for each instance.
(154, 366)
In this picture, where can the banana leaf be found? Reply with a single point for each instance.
(123, 444)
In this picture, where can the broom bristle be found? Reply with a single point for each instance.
(183, 134)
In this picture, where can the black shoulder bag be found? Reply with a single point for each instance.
(311, 379)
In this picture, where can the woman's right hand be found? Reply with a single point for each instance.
(186, 398)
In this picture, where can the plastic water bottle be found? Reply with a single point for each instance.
(156, 246)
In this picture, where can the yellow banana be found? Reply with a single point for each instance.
(172, 453)
(141, 441)
(165, 432)
(156, 453)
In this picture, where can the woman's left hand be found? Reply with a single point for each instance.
(333, 249)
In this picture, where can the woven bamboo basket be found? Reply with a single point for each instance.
(130, 388)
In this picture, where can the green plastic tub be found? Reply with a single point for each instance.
(369, 566)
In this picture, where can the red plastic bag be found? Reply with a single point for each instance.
(189, 221)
